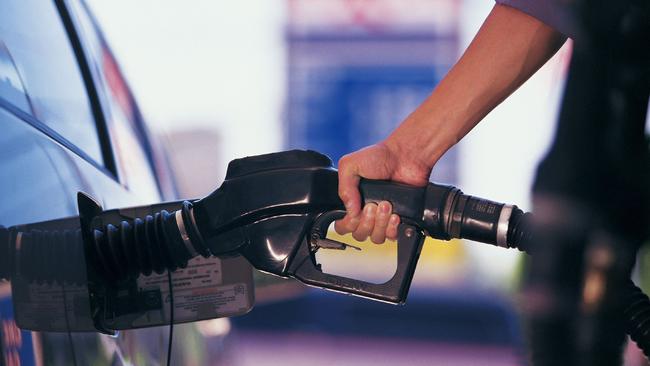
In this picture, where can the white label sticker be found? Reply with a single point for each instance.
(52, 307)
(222, 301)
(207, 288)
(199, 273)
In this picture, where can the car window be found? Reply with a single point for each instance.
(34, 35)
(128, 137)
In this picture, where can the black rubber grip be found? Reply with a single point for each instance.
(407, 201)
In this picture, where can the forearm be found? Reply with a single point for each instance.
(509, 48)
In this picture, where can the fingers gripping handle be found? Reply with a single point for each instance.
(407, 201)
(428, 207)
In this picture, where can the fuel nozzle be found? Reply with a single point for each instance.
(274, 210)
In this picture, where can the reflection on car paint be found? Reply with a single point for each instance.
(11, 86)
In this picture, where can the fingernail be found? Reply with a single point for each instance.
(394, 219)
(384, 207)
(370, 210)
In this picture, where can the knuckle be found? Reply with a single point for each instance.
(349, 226)
(345, 159)
(382, 221)
(367, 225)
(340, 228)
(391, 233)
(359, 236)
(346, 191)
(353, 223)
(344, 164)
(377, 239)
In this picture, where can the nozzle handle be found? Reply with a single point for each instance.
(395, 290)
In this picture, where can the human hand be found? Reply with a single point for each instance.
(381, 161)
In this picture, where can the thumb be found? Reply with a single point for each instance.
(349, 190)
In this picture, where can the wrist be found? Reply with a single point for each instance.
(407, 156)
(421, 140)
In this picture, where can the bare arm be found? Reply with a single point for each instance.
(509, 48)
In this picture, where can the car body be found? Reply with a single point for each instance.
(69, 124)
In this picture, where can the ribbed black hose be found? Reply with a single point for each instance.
(45, 256)
(139, 246)
(48, 256)
(636, 304)
(117, 252)
(145, 245)
(520, 230)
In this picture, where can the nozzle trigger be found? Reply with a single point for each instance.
(317, 242)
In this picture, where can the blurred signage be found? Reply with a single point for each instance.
(438, 16)
(15, 344)
(358, 68)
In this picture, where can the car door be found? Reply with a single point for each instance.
(47, 127)
(134, 182)
(66, 126)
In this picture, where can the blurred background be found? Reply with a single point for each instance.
(219, 80)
